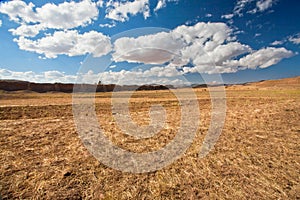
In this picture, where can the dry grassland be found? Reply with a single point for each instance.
(256, 157)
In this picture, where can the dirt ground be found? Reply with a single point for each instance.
(256, 157)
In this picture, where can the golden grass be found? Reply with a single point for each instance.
(256, 157)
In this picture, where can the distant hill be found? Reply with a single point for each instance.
(16, 85)
(286, 82)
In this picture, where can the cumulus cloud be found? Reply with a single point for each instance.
(158, 74)
(60, 17)
(27, 30)
(181, 45)
(33, 19)
(120, 11)
(70, 43)
(223, 52)
(44, 77)
(169, 74)
(150, 49)
(68, 14)
(262, 58)
(209, 47)
(19, 11)
(155, 75)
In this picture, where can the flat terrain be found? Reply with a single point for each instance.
(256, 157)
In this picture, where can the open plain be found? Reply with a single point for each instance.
(256, 157)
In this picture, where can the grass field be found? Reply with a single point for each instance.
(256, 157)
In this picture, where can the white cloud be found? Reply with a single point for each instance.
(240, 6)
(113, 24)
(207, 46)
(163, 3)
(33, 19)
(151, 49)
(257, 34)
(0, 23)
(262, 58)
(208, 15)
(180, 45)
(63, 16)
(277, 42)
(68, 14)
(19, 11)
(120, 11)
(155, 75)
(70, 43)
(169, 74)
(141, 77)
(44, 77)
(100, 3)
(263, 5)
(224, 52)
(27, 30)
(295, 39)
(161, 74)
(160, 4)
(228, 16)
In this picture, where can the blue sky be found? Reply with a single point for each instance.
(243, 40)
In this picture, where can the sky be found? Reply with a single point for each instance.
(149, 41)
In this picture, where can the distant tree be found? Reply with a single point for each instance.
(99, 82)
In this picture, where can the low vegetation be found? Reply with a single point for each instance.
(256, 157)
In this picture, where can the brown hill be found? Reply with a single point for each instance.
(286, 82)
(16, 85)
